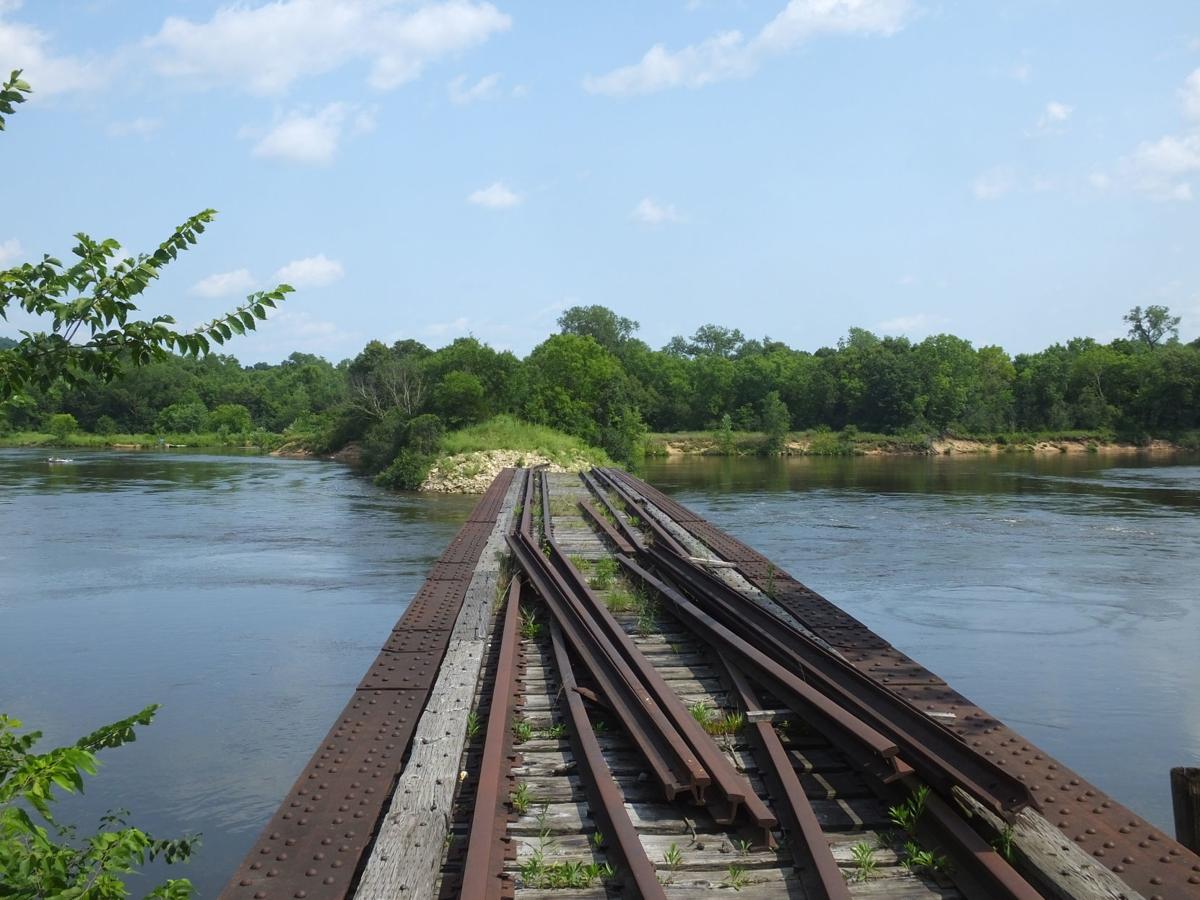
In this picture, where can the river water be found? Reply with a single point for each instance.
(248, 594)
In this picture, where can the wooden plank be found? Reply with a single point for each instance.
(1050, 860)
(407, 856)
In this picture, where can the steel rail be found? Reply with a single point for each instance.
(630, 534)
(781, 776)
(604, 796)
(735, 788)
(606, 527)
(483, 868)
(848, 732)
(941, 757)
(671, 760)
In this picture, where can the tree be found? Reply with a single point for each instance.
(88, 306)
(62, 424)
(1152, 324)
(460, 399)
(231, 418)
(599, 323)
(182, 418)
(776, 422)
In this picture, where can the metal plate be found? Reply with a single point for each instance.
(435, 606)
(452, 571)
(403, 671)
(314, 842)
(410, 641)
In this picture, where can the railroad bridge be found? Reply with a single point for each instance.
(596, 693)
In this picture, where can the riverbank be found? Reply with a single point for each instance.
(262, 440)
(851, 442)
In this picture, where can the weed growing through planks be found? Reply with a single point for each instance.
(582, 563)
(530, 626)
(1004, 842)
(673, 857)
(907, 814)
(647, 613)
(743, 846)
(864, 861)
(736, 878)
(620, 601)
(597, 840)
(599, 726)
(473, 725)
(522, 732)
(701, 713)
(770, 591)
(521, 798)
(554, 732)
(604, 573)
(718, 726)
(917, 858)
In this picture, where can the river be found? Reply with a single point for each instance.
(248, 594)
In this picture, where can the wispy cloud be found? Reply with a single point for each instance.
(495, 196)
(994, 183)
(10, 251)
(650, 212)
(729, 54)
(142, 127)
(1163, 168)
(455, 327)
(462, 93)
(311, 138)
(27, 47)
(914, 324)
(265, 49)
(222, 284)
(311, 272)
(1053, 118)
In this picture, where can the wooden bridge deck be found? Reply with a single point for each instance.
(387, 807)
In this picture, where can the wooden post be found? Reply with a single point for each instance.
(1185, 796)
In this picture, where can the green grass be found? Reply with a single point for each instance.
(145, 441)
(509, 433)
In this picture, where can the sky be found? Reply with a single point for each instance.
(1016, 172)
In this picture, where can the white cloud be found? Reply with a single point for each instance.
(10, 251)
(28, 48)
(917, 323)
(650, 212)
(1021, 72)
(265, 48)
(1189, 94)
(311, 272)
(312, 139)
(222, 284)
(484, 89)
(994, 183)
(729, 54)
(139, 127)
(458, 326)
(495, 196)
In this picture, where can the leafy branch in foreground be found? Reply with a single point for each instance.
(89, 304)
(41, 859)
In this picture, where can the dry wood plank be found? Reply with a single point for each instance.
(406, 858)
(1050, 860)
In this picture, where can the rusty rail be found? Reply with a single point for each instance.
(604, 797)
(487, 839)
(734, 787)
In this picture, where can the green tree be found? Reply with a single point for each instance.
(599, 323)
(61, 425)
(1152, 324)
(459, 399)
(230, 418)
(776, 422)
(186, 417)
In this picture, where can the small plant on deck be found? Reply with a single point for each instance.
(864, 861)
(530, 626)
(906, 815)
(473, 725)
(1004, 842)
(673, 857)
(521, 799)
(736, 878)
(918, 859)
(604, 573)
(522, 732)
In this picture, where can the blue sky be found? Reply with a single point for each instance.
(1012, 172)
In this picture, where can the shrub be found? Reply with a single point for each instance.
(106, 425)
(424, 434)
(232, 418)
(182, 418)
(61, 425)
(407, 471)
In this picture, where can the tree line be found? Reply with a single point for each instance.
(595, 379)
